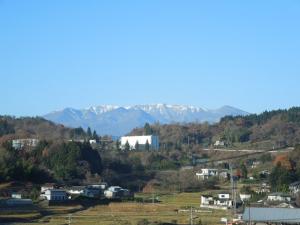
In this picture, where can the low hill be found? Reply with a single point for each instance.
(35, 127)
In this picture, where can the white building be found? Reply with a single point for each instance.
(93, 141)
(54, 195)
(152, 140)
(219, 143)
(116, 192)
(206, 200)
(113, 192)
(75, 190)
(294, 187)
(206, 173)
(223, 201)
(245, 197)
(47, 186)
(279, 197)
(21, 143)
(16, 195)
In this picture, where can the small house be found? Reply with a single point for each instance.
(263, 188)
(224, 175)
(113, 192)
(219, 143)
(255, 164)
(206, 200)
(279, 197)
(294, 187)
(54, 195)
(101, 186)
(223, 201)
(117, 192)
(245, 197)
(47, 186)
(92, 141)
(206, 173)
(16, 195)
(75, 190)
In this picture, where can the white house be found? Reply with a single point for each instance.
(101, 186)
(152, 140)
(263, 188)
(27, 142)
(93, 141)
(279, 197)
(116, 192)
(294, 187)
(245, 197)
(223, 201)
(224, 196)
(16, 195)
(224, 174)
(219, 143)
(54, 195)
(113, 192)
(206, 200)
(255, 164)
(75, 190)
(206, 173)
(47, 186)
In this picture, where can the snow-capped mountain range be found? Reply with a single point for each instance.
(119, 120)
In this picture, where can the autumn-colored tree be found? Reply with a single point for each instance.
(284, 161)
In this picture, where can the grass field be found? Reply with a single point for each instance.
(172, 207)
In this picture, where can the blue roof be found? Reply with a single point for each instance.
(286, 215)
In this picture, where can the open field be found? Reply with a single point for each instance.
(172, 207)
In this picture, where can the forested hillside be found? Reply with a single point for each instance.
(278, 128)
(35, 127)
(55, 158)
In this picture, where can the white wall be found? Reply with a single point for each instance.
(142, 140)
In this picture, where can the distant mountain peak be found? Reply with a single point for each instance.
(119, 120)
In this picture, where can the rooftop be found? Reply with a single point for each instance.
(286, 215)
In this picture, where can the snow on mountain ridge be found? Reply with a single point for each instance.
(119, 120)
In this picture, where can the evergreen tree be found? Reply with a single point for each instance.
(95, 136)
(147, 146)
(244, 171)
(147, 129)
(118, 145)
(127, 146)
(89, 132)
(137, 146)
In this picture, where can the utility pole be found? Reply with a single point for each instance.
(152, 198)
(191, 216)
(69, 219)
(233, 190)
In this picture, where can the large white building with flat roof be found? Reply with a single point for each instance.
(152, 140)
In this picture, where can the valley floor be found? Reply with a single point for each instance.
(171, 208)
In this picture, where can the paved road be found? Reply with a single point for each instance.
(247, 150)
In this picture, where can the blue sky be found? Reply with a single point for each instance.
(56, 54)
